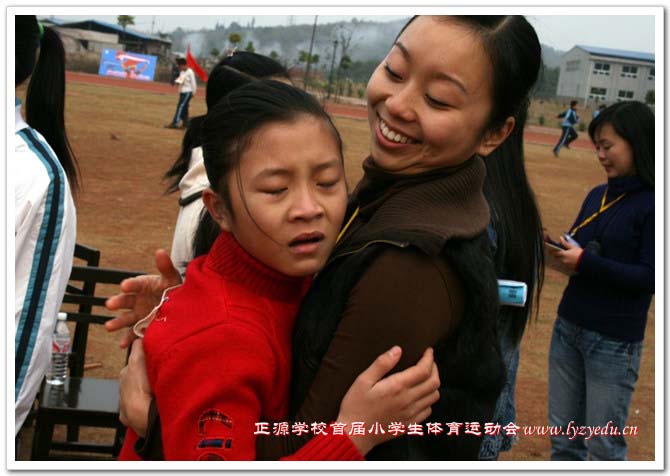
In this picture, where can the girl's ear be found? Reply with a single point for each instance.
(216, 208)
(492, 139)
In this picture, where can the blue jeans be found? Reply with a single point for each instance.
(591, 382)
(181, 114)
(505, 411)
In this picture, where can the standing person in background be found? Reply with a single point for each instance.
(596, 346)
(44, 169)
(187, 175)
(597, 112)
(569, 134)
(174, 73)
(187, 89)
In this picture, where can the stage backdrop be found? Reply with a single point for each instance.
(122, 64)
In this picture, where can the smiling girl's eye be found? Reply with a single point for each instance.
(392, 73)
(435, 102)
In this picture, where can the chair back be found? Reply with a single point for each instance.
(83, 292)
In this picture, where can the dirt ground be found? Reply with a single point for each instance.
(123, 150)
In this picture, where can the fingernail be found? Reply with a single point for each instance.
(395, 350)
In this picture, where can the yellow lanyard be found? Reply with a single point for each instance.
(346, 227)
(603, 207)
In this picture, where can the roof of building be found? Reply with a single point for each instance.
(611, 52)
(89, 35)
(110, 27)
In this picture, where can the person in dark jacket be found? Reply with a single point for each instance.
(413, 264)
(596, 346)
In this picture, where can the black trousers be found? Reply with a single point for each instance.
(569, 134)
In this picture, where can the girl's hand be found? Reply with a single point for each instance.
(404, 397)
(134, 391)
(570, 256)
(139, 296)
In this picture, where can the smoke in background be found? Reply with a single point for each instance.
(369, 40)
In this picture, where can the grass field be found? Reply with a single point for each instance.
(123, 150)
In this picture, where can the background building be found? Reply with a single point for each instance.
(78, 41)
(594, 74)
(130, 39)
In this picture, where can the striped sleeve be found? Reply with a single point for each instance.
(45, 227)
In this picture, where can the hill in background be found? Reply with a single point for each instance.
(369, 42)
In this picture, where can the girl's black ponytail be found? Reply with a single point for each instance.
(190, 141)
(206, 234)
(45, 103)
(515, 217)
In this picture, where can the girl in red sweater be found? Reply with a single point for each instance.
(218, 347)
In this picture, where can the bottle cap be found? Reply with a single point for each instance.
(62, 316)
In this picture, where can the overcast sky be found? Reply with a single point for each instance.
(630, 32)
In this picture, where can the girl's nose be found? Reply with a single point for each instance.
(305, 206)
(401, 103)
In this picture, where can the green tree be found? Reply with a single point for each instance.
(124, 20)
(215, 53)
(234, 39)
(303, 57)
(547, 83)
(274, 55)
(344, 66)
(650, 98)
(250, 47)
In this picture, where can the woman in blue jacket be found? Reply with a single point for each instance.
(596, 346)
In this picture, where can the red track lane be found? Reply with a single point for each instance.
(532, 134)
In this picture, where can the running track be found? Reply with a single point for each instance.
(532, 134)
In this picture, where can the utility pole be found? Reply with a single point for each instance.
(153, 19)
(332, 66)
(309, 55)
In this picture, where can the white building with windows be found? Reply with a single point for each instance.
(594, 74)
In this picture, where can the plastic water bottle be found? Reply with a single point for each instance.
(60, 348)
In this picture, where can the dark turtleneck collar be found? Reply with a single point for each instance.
(619, 185)
(231, 261)
(425, 209)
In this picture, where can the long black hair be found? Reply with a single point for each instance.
(516, 58)
(634, 123)
(229, 127)
(228, 74)
(45, 98)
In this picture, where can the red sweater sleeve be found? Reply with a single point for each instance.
(210, 390)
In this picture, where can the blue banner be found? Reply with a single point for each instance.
(123, 64)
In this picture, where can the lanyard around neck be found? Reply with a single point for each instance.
(603, 206)
(346, 227)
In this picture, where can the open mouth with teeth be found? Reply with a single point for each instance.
(394, 136)
(306, 239)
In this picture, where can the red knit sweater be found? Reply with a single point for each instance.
(219, 359)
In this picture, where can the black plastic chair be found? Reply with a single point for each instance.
(80, 401)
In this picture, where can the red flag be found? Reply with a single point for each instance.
(193, 64)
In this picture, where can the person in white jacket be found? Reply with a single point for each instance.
(43, 168)
(187, 174)
(187, 89)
